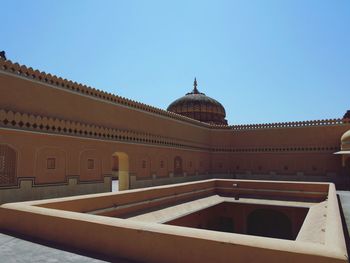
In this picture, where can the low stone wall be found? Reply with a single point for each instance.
(155, 181)
(153, 242)
(341, 181)
(26, 190)
(291, 177)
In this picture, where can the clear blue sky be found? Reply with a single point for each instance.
(265, 61)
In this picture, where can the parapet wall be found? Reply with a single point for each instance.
(30, 73)
(65, 221)
(46, 78)
(29, 96)
(292, 124)
(27, 190)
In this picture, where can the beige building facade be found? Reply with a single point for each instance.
(58, 138)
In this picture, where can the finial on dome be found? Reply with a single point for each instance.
(347, 115)
(195, 90)
(3, 55)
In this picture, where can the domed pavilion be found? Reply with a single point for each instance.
(198, 106)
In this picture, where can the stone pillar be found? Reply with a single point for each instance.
(124, 182)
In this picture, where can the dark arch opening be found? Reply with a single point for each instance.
(269, 223)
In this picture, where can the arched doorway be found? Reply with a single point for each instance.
(120, 161)
(115, 166)
(178, 166)
(269, 223)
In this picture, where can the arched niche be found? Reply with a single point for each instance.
(162, 166)
(178, 168)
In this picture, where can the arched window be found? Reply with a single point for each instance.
(8, 160)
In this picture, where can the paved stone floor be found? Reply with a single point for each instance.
(14, 249)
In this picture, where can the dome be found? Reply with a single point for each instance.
(198, 106)
(345, 141)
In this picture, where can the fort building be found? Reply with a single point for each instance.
(189, 181)
(59, 138)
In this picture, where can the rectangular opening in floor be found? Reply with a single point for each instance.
(252, 219)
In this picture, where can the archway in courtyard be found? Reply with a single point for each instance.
(120, 164)
(269, 223)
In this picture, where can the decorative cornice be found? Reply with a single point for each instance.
(293, 124)
(46, 124)
(288, 149)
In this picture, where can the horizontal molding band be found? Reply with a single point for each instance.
(31, 122)
(256, 190)
(49, 125)
(64, 183)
